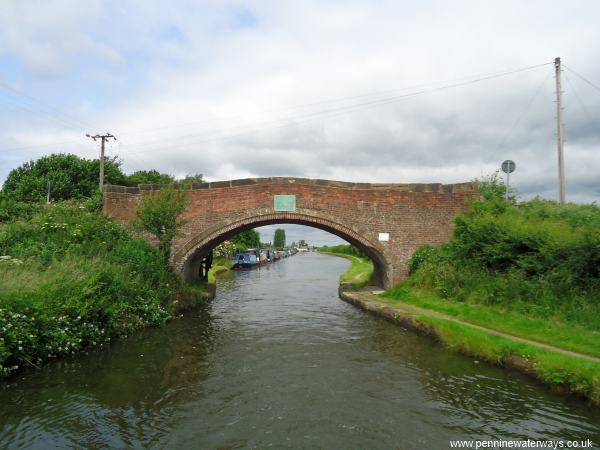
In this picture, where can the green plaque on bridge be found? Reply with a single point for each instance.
(284, 203)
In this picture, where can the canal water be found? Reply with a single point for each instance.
(278, 361)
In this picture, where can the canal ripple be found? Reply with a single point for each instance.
(278, 361)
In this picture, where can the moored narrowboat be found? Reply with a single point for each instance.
(247, 260)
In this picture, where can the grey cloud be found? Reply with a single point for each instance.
(199, 63)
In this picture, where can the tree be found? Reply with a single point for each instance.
(279, 238)
(302, 243)
(158, 214)
(190, 179)
(149, 177)
(69, 175)
(246, 239)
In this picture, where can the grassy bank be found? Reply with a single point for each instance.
(360, 272)
(568, 374)
(563, 371)
(71, 279)
(538, 259)
(220, 267)
(559, 334)
(530, 270)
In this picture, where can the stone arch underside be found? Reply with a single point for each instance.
(189, 255)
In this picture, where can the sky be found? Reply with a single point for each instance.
(371, 91)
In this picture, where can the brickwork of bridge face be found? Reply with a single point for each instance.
(387, 221)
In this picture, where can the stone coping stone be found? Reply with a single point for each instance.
(398, 187)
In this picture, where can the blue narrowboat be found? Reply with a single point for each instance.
(247, 260)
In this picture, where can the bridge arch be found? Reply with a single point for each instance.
(387, 221)
(189, 256)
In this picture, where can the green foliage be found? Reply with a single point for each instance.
(538, 257)
(225, 250)
(345, 249)
(94, 203)
(70, 177)
(360, 273)
(422, 254)
(149, 177)
(279, 239)
(189, 181)
(11, 209)
(84, 280)
(159, 214)
(492, 187)
(246, 239)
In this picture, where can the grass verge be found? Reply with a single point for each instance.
(360, 272)
(219, 268)
(565, 373)
(552, 332)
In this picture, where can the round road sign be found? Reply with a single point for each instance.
(508, 166)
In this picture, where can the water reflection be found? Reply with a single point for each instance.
(473, 395)
(278, 360)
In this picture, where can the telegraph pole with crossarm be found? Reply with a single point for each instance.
(103, 138)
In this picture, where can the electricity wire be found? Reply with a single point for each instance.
(582, 77)
(339, 110)
(523, 113)
(583, 107)
(337, 100)
(286, 121)
(57, 115)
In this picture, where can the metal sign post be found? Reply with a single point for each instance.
(508, 167)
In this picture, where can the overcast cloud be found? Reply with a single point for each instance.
(308, 88)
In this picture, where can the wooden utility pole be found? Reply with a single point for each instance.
(103, 138)
(560, 133)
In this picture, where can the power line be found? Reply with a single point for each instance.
(583, 107)
(524, 113)
(70, 121)
(41, 112)
(278, 123)
(341, 99)
(331, 112)
(42, 145)
(582, 77)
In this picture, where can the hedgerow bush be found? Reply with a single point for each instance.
(539, 257)
(10, 209)
(345, 249)
(81, 281)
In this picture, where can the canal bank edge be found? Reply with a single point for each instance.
(564, 371)
(191, 298)
(360, 272)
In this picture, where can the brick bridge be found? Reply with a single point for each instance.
(387, 221)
